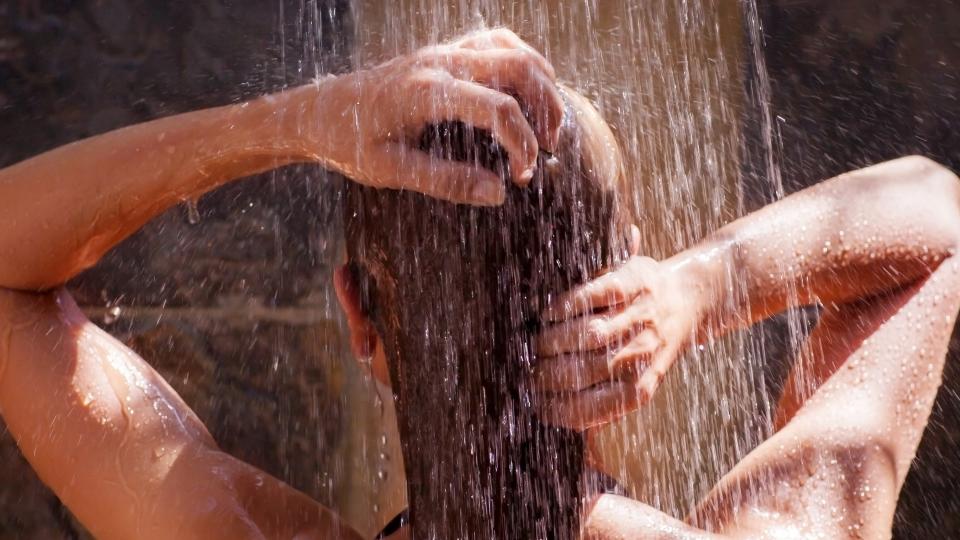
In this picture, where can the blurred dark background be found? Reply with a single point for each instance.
(852, 83)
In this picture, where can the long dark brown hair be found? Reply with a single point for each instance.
(454, 292)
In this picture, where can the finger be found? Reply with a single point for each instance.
(362, 334)
(458, 182)
(610, 289)
(650, 380)
(445, 98)
(592, 407)
(570, 372)
(634, 358)
(517, 70)
(592, 443)
(593, 332)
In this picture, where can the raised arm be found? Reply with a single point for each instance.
(120, 448)
(876, 248)
(100, 427)
(60, 211)
(855, 236)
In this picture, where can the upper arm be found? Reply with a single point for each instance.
(854, 408)
(117, 444)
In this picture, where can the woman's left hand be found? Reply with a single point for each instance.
(611, 341)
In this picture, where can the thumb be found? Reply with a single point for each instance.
(454, 181)
(362, 334)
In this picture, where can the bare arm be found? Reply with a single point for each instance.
(860, 395)
(119, 446)
(101, 428)
(855, 236)
(63, 209)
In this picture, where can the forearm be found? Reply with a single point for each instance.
(854, 236)
(63, 209)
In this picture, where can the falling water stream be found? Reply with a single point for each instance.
(670, 78)
(229, 297)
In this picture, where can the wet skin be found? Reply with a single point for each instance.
(131, 460)
(876, 248)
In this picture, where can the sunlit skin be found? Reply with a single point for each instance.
(876, 248)
(111, 438)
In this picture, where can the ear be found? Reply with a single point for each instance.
(634, 240)
(363, 336)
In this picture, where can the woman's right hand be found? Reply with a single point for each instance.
(362, 124)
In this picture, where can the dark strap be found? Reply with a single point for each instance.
(394, 525)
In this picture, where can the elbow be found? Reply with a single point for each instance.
(941, 187)
(934, 178)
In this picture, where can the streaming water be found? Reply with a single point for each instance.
(668, 76)
(230, 299)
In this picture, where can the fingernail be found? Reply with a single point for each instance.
(526, 175)
(488, 192)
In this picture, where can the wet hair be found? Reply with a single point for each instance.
(454, 292)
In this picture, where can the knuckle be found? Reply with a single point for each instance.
(520, 59)
(425, 80)
(619, 292)
(502, 32)
(598, 331)
(651, 379)
(507, 109)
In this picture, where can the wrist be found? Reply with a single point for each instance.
(702, 275)
(317, 120)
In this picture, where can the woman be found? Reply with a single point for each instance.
(99, 426)
(130, 460)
